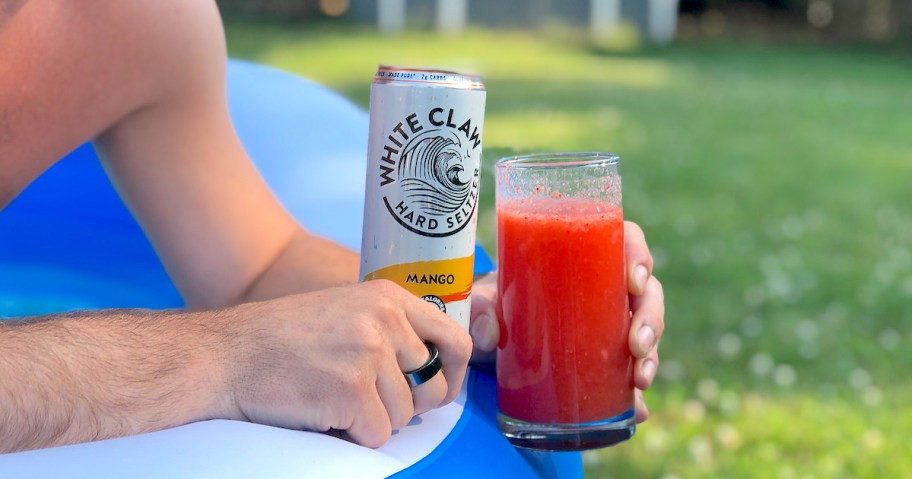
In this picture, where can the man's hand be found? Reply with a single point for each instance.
(647, 305)
(333, 359)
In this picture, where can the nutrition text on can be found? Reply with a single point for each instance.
(423, 172)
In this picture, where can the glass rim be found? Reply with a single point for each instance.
(562, 159)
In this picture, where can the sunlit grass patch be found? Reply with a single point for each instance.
(752, 435)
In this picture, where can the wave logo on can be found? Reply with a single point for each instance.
(429, 172)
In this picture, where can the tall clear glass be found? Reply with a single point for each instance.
(564, 369)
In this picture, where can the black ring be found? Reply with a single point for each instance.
(427, 370)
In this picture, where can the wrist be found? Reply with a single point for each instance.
(212, 347)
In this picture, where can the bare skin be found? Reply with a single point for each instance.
(278, 331)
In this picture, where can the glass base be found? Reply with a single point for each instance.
(568, 437)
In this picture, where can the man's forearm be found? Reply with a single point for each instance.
(92, 375)
(307, 263)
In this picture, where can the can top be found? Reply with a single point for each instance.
(427, 77)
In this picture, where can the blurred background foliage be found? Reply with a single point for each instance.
(845, 20)
(767, 153)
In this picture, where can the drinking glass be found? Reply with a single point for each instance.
(564, 369)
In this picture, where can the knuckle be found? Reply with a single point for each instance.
(656, 286)
(654, 356)
(385, 311)
(463, 344)
(384, 287)
(377, 437)
(335, 415)
(370, 429)
(466, 348)
(633, 228)
(484, 292)
(372, 342)
(659, 327)
(326, 422)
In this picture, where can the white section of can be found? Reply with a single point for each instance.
(422, 186)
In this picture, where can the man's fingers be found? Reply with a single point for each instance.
(453, 342)
(395, 395)
(639, 260)
(399, 401)
(645, 369)
(483, 324)
(648, 321)
(430, 324)
(411, 351)
(647, 303)
(429, 395)
(642, 412)
(402, 402)
(371, 425)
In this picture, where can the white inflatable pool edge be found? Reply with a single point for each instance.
(221, 448)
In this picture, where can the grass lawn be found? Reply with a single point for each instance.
(775, 188)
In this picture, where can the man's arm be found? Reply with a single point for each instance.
(148, 79)
(179, 164)
(77, 377)
(99, 374)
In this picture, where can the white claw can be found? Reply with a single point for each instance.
(423, 173)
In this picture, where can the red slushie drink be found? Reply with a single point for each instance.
(564, 370)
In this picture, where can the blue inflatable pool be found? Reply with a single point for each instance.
(69, 243)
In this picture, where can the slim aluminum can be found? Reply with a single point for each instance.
(423, 172)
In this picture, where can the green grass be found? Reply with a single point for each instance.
(775, 187)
